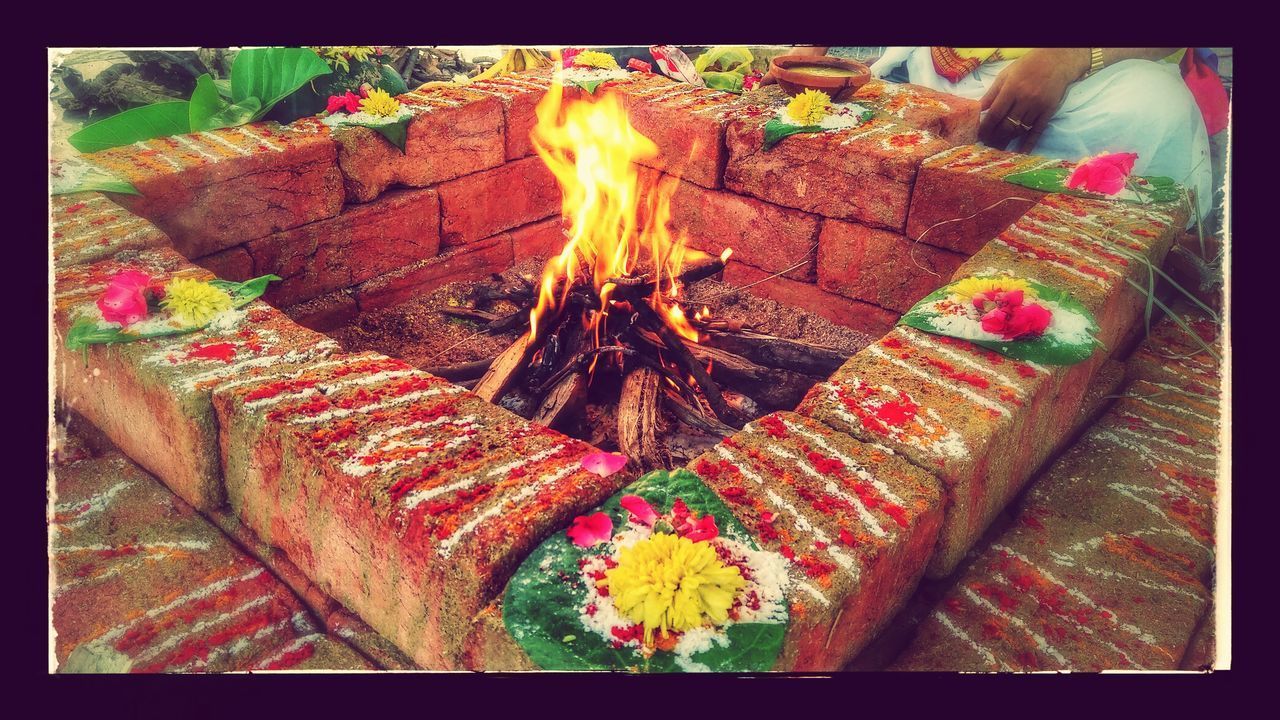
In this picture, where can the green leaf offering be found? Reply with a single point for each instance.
(209, 111)
(131, 126)
(75, 176)
(1138, 189)
(397, 131)
(777, 129)
(1021, 319)
(726, 81)
(391, 81)
(588, 85)
(271, 74)
(558, 608)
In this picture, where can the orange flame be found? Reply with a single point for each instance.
(617, 217)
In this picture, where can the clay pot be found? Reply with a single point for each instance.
(839, 87)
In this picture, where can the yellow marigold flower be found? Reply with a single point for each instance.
(809, 107)
(971, 286)
(595, 59)
(670, 583)
(193, 302)
(380, 102)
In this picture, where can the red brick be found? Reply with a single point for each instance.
(364, 241)
(88, 227)
(209, 191)
(519, 94)
(863, 174)
(1171, 356)
(540, 239)
(880, 266)
(969, 181)
(865, 317)
(327, 312)
(455, 132)
(469, 262)
(486, 203)
(230, 264)
(687, 124)
(762, 235)
(145, 584)
(950, 117)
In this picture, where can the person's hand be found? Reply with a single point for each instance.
(1026, 94)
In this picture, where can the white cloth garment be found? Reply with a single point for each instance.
(1132, 106)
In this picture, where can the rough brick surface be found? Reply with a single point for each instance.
(468, 262)
(144, 584)
(410, 500)
(762, 235)
(865, 317)
(687, 124)
(230, 264)
(863, 174)
(950, 117)
(1172, 358)
(364, 241)
(519, 94)
(540, 239)
(880, 266)
(1057, 594)
(88, 227)
(455, 132)
(486, 203)
(982, 422)
(969, 181)
(152, 397)
(211, 190)
(1202, 651)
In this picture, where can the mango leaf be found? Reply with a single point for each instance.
(727, 81)
(396, 132)
(1069, 339)
(131, 126)
(588, 85)
(243, 293)
(775, 130)
(541, 609)
(271, 74)
(724, 59)
(1141, 189)
(209, 111)
(391, 80)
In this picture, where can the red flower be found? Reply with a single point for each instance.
(1015, 321)
(1105, 174)
(638, 64)
(986, 300)
(591, 529)
(704, 529)
(349, 102)
(125, 301)
(640, 509)
(603, 464)
(750, 81)
(568, 55)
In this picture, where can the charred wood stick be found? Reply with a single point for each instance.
(640, 285)
(517, 319)
(772, 388)
(685, 389)
(462, 371)
(578, 362)
(565, 399)
(686, 362)
(505, 370)
(801, 357)
(638, 417)
(692, 417)
(470, 314)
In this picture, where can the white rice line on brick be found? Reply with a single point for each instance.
(528, 491)
(291, 647)
(1146, 455)
(195, 147)
(308, 392)
(529, 82)
(1174, 408)
(197, 594)
(1167, 443)
(116, 569)
(953, 445)
(1212, 443)
(414, 499)
(99, 547)
(162, 347)
(225, 143)
(1000, 578)
(856, 467)
(844, 561)
(1131, 492)
(1105, 239)
(286, 374)
(244, 130)
(231, 648)
(670, 93)
(1069, 561)
(175, 639)
(943, 159)
(855, 135)
(1065, 247)
(356, 467)
(282, 397)
(1069, 268)
(922, 339)
(982, 650)
(868, 520)
(90, 202)
(1075, 593)
(380, 405)
(984, 166)
(160, 153)
(89, 228)
(1040, 642)
(319, 350)
(95, 504)
(1173, 388)
(366, 379)
(136, 233)
(971, 395)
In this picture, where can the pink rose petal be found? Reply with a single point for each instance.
(641, 511)
(591, 529)
(604, 464)
(704, 529)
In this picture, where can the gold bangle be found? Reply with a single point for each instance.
(1095, 62)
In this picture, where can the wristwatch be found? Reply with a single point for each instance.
(1095, 62)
